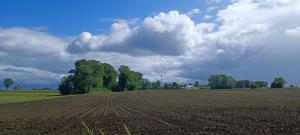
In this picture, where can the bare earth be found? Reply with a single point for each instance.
(159, 112)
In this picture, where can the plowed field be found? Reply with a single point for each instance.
(159, 112)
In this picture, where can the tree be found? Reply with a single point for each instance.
(174, 85)
(196, 84)
(261, 84)
(88, 74)
(92, 75)
(221, 82)
(146, 84)
(243, 84)
(134, 80)
(166, 86)
(7, 82)
(278, 82)
(253, 86)
(129, 80)
(66, 86)
(156, 85)
(110, 76)
(123, 77)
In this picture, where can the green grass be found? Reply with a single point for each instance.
(90, 132)
(7, 96)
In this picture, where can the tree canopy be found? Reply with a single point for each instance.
(261, 84)
(278, 82)
(196, 84)
(129, 80)
(92, 75)
(221, 82)
(243, 84)
(7, 82)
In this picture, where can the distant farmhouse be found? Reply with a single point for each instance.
(188, 86)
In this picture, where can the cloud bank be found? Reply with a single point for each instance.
(248, 39)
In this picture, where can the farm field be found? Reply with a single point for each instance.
(9, 96)
(159, 112)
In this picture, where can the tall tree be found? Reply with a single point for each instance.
(66, 86)
(93, 75)
(278, 82)
(146, 84)
(129, 80)
(261, 84)
(124, 72)
(88, 74)
(110, 76)
(156, 85)
(221, 82)
(134, 80)
(243, 84)
(196, 84)
(174, 85)
(7, 82)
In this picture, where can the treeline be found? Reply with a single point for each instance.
(92, 75)
(228, 82)
(148, 85)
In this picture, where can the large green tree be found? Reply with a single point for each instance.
(243, 84)
(88, 75)
(7, 82)
(175, 85)
(66, 86)
(278, 82)
(129, 80)
(261, 84)
(109, 76)
(221, 82)
(124, 72)
(134, 81)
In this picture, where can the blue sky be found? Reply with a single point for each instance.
(64, 17)
(186, 41)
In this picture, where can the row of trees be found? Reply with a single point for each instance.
(173, 85)
(148, 85)
(228, 82)
(251, 84)
(221, 82)
(92, 75)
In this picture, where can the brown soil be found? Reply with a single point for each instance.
(158, 112)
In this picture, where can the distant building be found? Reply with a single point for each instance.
(188, 86)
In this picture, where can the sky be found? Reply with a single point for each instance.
(186, 41)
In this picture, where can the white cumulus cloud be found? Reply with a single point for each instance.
(249, 39)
